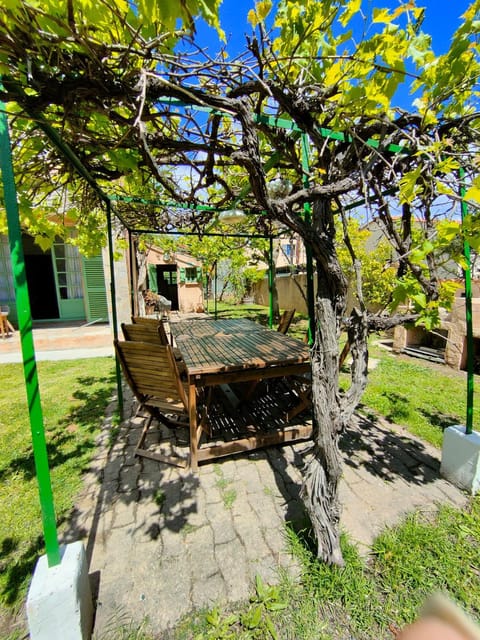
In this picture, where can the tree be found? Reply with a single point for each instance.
(378, 270)
(312, 100)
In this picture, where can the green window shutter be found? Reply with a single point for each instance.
(95, 293)
(152, 278)
(183, 275)
(199, 274)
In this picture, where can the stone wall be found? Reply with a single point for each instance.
(454, 326)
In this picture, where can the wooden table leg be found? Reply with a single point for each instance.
(192, 414)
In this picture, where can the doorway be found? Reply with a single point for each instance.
(40, 281)
(167, 283)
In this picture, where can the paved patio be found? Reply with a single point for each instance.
(162, 541)
(61, 341)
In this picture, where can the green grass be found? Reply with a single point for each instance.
(424, 397)
(74, 395)
(228, 493)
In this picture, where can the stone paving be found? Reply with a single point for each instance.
(163, 541)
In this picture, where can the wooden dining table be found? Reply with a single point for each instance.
(226, 351)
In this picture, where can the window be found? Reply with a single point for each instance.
(170, 277)
(190, 275)
(68, 265)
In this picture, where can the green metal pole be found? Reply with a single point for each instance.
(270, 282)
(131, 262)
(308, 250)
(468, 312)
(113, 298)
(28, 350)
(215, 292)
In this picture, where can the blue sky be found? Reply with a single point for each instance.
(442, 18)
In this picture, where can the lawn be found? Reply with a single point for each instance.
(74, 397)
(365, 600)
(423, 396)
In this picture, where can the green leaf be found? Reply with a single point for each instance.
(353, 7)
(420, 300)
(382, 15)
(271, 628)
(276, 606)
(473, 194)
(408, 185)
(43, 242)
(260, 586)
(448, 229)
(213, 617)
(253, 619)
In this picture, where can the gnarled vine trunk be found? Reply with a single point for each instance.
(320, 488)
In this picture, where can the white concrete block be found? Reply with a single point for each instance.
(461, 458)
(59, 602)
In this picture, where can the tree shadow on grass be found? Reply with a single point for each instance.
(399, 407)
(440, 420)
(81, 420)
(17, 570)
(244, 311)
(62, 447)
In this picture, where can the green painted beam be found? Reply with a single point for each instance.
(28, 350)
(290, 125)
(270, 283)
(286, 123)
(113, 299)
(468, 312)
(308, 250)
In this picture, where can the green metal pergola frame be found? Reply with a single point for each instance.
(160, 203)
(23, 303)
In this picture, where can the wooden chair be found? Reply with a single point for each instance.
(301, 387)
(151, 322)
(141, 333)
(154, 332)
(148, 321)
(153, 376)
(285, 320)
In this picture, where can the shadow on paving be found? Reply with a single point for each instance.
(376, 448)
(126, 479)
(122, 478)
(163, 498)
(388, 454)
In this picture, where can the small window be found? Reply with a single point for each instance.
(190, 274)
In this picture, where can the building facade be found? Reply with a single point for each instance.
(62, 284)
(177, 277)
